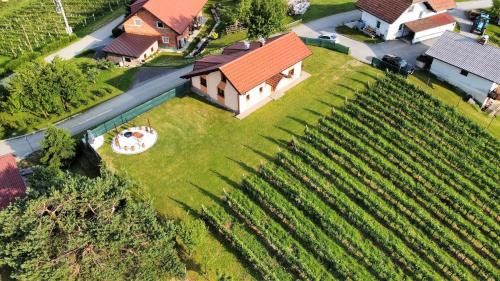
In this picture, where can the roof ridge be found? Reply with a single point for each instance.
(261, 48)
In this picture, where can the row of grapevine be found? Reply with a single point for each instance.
(35, 24)
(386, 188)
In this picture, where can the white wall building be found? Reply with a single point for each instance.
(467, 64)
(418, 20)
(247, 74)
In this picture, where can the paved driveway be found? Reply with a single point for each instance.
(364, 52)
(96, 39)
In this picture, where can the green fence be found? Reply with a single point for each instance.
(325, 44)
(378, 63)
(140, 109)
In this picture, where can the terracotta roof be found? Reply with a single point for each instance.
(275, 80)
(177, 14)
(390, 10)
(248, 68)
(11, 182)
(132, 45)
(430, 22)
(442, 5)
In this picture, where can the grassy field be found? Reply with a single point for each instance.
(203, 149)
(323, 8)
(494, 32)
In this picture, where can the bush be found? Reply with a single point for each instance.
(57, 147)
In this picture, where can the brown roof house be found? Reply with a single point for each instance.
(249, 74)
(12, 184)
(416, 20)
(154, 24)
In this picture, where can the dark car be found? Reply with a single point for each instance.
(398, 64)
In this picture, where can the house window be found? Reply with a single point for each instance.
(138, 22)
(401, 26)
(203, 81)
(127, 59)
(411, 8)
(165, 39)
(223, 78)
(261, 90)
(378, 24)
(160, 24)
(152, 49)
(421, 14)
(291, 72)
(464, 72)
(248, 97)
(220, 92)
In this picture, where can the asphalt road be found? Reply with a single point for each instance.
(23, 145)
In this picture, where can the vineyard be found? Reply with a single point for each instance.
(393, 186)
(32, 24)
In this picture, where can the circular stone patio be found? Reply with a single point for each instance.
(134, 140)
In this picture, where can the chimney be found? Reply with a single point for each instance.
(246, 45)
(262, 41)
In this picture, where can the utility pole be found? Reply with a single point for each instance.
(60, 10)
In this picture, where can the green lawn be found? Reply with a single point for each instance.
(203, 149)
(357, 35)
(494, 32)
(323, 8)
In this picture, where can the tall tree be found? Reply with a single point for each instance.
(263, 17)
(69, 82)
(57, 147)
(72, 227)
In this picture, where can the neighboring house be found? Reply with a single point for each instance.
(467, 64)
(168, 22)
(12, 184)
(247, 74)
(416, 20)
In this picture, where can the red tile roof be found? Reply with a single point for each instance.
(430, 22)
(177, 14)
(390, 10)
(248, 68)
(131, 45)
(441, 5)
(11, 182)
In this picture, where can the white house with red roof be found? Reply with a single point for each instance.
(154, 24)
(417, 20)
(246, 75)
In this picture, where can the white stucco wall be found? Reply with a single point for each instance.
(213, 81)
(432, 33)
(240, 103)
(472, 84)
(392, 31)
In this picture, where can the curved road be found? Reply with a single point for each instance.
(24, 145)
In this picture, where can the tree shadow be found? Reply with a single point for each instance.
(226, 179)
(243, 165)
(280, 143)
(207, 193)
(186, 207)
(314, 112)
(260, 153)
(324, 102)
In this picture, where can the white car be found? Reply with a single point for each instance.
(330, 37)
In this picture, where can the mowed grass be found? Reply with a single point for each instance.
(323, 8)
(203, 150)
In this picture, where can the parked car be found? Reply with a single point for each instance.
(398, 64)
(330, 37)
